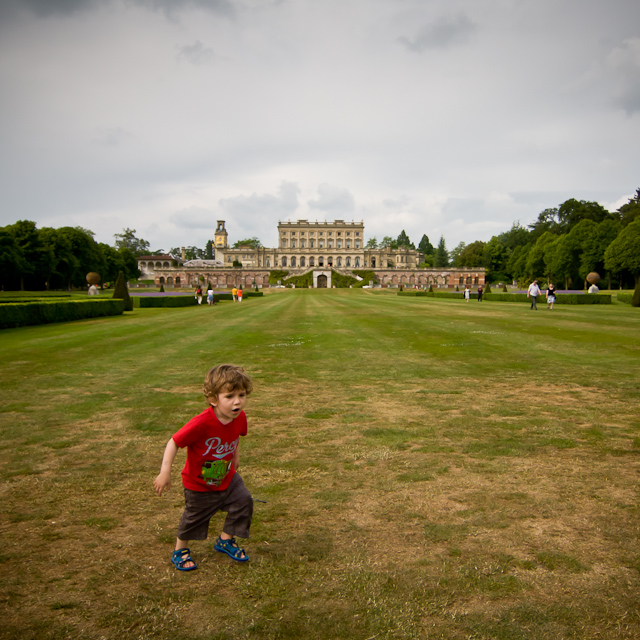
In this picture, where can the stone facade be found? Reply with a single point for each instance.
(303, 246)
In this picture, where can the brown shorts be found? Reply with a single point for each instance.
(201, 506)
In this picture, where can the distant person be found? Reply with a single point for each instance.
(234, 293)
(467, 294)
(480, 292)
(594, 288)
(93, 290)
(533, 293)
(199, 294)
(239, 294)
(551, 296)
(210, 296)
(210, 481)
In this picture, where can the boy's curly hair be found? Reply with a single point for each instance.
(225, 377)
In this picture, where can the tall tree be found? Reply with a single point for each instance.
(442, 255)
(595, 246)
(623, 254)
(128, 240)
(403, 240)
(547, 221)
(254, 243)
(538, 258)
(425, 246)
(372, 243)
(388, 243)
(455, 252)
(86, 255)
(471, 256)
(495, 258)
(11, 260)
(572, 211)
(631, 210)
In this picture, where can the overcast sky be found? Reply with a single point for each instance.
(444, 117)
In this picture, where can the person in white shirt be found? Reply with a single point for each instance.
(533, 293)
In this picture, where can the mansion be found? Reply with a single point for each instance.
(303, 246)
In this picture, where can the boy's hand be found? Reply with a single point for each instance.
(162, 482)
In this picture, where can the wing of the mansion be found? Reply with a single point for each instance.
(321, 247)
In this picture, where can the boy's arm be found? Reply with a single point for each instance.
(236, 457)
(163, 480)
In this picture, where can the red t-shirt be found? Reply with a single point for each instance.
(210, 447)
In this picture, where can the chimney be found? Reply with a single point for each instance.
(183, 255)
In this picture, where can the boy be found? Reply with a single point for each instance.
(210, 481)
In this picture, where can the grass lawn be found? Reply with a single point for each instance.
(432, 469)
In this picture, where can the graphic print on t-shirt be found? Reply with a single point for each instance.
(214, 471)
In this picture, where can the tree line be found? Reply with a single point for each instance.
(563, 245)
(36, 259)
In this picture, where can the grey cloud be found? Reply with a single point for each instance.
(442, 33)
(112, 137)
(194, 218)
(281, 206)
(171, 7)
(47, 8)
(624, 63)
(333, 199)
(196, 54)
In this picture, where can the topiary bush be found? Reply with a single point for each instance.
(487, 288)
(121, 292)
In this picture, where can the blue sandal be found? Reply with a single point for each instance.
(231, 548)
(180, 557)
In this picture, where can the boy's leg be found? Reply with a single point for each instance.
(238, 504)
(184, 544)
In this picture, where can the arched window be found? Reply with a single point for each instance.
(293, 261)
(373, 263)
(302, 261)
(321, 261)
(268, 265)
(357, 261)
(339, 261)
(161, 281)
(311, 261)
(178, 280)
(348, 261)
(284, 261)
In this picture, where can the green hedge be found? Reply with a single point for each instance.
(455, 295)
(624, 297)
(561, 298)
(31, 313)
(146, 302)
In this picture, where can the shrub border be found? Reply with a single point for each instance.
(23, 314)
